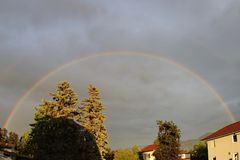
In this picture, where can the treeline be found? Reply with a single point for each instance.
(66, 128)
(87, 113)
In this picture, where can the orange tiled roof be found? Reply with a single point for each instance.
(150, 147)
(232, 128)
(6, 145)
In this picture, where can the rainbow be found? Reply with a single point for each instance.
(75, 61)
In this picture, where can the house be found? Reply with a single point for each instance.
(184, 155)
(7, 150)
(147, 153)
(224, 144)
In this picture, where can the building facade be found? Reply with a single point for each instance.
(224, 144)
(147, 153)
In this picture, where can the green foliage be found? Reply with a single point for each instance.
(6, 137)
(3, 135)
(199, 152)
(169, 141)
(64, 105)
(125, 154)
(91, 117)
(24, 147)
(13, 138)
(63, 139)
(135, 149)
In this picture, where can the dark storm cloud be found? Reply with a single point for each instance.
(38, 36)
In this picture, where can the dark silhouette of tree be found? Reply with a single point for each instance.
(169, 141)
(63, 139)
(199, 152)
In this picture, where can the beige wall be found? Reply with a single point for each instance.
(224, 148)
(148, 155)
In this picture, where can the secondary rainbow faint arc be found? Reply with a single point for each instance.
(68, 64)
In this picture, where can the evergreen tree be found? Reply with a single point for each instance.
(63, 104)
(169, 141)
(63, 139)
(92, 118)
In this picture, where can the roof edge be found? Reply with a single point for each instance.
(220, 136)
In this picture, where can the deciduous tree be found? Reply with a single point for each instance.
(199, 152)
(13, 138)
(127, 154)
(4, 135)
(24, 147)
(169, 141)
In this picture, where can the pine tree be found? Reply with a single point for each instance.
(92, 118)
(63, 104)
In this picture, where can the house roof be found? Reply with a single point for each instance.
(150, 147)
(6, 145)
(232, 128)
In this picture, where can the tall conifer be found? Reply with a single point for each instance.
(63, 104)
(92, 118)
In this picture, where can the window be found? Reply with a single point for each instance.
(214, 158)
(149, 155)
(234, 138)
(236, 157)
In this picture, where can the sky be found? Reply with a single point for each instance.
(37, 37)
